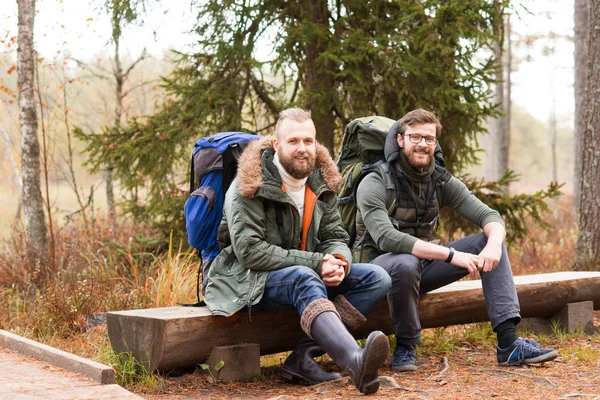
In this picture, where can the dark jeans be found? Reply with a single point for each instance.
(298, 286)
(412, 276)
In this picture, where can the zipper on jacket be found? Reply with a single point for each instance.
(293, 230)
(250, 297)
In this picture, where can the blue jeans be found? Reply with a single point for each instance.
(298, 286)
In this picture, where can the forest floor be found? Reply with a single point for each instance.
(472, 373)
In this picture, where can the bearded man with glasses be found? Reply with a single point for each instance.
(398, 209)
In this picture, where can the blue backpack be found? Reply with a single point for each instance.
(214, 166)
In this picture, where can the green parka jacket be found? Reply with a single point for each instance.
(254, 243)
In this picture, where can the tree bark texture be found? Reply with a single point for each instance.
(181, 337)
(553, 136)
(119, 79)
(31, 196)
(582, 35)
(498, 152)
(588, 243)
(320, 78)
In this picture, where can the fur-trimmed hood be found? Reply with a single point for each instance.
(250, 172)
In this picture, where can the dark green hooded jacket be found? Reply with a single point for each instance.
(255, 240)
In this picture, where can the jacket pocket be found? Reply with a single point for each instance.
(225, 262)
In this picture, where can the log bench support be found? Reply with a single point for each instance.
(241, 362)
(171, 338)
(572, 318)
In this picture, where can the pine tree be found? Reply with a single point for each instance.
(340, 59)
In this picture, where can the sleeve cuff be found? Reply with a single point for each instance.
(495, 218)
(341, 257)
(407, 245)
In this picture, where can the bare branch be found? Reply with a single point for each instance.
(341, 116)
(245, 89)
(97, 76)
(71, 178)
(264, 128)
(96, 71)
(142, 57)
(444, 362)
(295, 92)
(544, 378)
(261, 92)
(134, 87)
(11, 159)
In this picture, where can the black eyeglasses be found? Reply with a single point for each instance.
(416, 138)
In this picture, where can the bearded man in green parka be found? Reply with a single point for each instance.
(284, 246)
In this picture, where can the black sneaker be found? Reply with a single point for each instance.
(404, 358)
(524, 351)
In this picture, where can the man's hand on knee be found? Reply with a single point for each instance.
(489, 257)
(465, 260)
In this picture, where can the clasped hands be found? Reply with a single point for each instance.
(332, 270)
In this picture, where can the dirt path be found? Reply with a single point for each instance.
(472, 374)
(27, 378)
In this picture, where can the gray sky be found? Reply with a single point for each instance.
(74, 26)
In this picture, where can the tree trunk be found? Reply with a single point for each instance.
(553, 135)
(498, 151)
(507, 101)
(582, 33)
(31, 196)
(119, 78)
(319, 81)
(492, 155)
(588, 242)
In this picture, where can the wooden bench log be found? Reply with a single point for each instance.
(181, 337)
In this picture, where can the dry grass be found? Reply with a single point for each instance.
(548, 250)
(99, 270)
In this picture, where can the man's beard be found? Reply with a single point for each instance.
(418, 164)
(298, 171)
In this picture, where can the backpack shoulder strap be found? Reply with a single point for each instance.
(383, 169)
(441, 177)
(192, 174)
(390, 184)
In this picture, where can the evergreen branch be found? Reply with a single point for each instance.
(261, 92)
(517, 210)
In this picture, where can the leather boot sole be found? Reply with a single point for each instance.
(376, 351)
(292, 376)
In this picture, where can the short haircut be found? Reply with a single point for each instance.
(295, 114)
(416, 117)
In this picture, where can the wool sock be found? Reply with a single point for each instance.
(506, 333)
